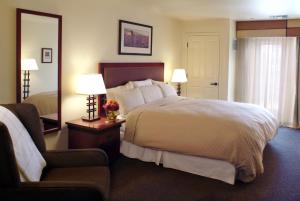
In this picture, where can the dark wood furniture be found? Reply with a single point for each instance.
(19, 13)
(97, 134)
(116, 74)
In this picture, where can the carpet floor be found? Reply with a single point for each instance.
(134, 180)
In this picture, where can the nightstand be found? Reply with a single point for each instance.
(97, 134)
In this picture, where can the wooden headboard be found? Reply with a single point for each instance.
(116, 74)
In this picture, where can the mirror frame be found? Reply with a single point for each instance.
(59, 59)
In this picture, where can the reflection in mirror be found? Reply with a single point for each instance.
(39, 65)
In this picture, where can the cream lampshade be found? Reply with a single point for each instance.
(179, 76)
(91, 85)
(27, 65)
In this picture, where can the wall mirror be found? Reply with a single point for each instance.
(39, 64)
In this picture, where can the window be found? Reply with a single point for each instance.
(267, 75)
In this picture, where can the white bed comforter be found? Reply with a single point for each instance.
(230, 131)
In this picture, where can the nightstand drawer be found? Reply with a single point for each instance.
(106, 138)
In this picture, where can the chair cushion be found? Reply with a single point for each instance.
(98, 175)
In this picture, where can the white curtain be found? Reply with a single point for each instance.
(267, 75)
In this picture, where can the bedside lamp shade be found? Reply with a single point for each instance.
(29, 64)
(179, 75)
(91, 84)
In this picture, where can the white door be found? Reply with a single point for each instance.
(203, 64)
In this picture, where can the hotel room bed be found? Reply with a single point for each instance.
(212, 138)
(228, 131)
(45, 102)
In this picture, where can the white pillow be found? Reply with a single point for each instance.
(129, 100)
(142, 83)
(110, 93)
(167, 89)
(29, 160)
(151, 93)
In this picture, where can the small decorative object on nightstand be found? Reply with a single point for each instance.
(111, 108)
(179, 76)
(97, 134)
(91, 85)
(27, 66)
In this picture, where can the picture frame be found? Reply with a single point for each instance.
(135, 38)
(46, 55)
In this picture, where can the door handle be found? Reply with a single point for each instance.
(214, 84)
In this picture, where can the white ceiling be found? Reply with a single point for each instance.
(233, 9)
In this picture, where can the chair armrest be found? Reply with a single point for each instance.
(57, 190)
(76, 158)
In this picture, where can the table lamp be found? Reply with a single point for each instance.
(91, 85)
(27, 65)
(179, 76)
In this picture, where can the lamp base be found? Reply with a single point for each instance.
(91, 109)
(90, 119)
(26, 84)
(178, 88)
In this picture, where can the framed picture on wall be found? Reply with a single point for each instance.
(46, 55)
(134, 38)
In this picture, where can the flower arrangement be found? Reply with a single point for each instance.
(111, 105)
(111, 108)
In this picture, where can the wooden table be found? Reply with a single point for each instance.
(97, 134)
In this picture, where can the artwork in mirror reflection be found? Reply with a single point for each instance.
(39, 79)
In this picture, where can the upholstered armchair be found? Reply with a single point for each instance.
(73, 175)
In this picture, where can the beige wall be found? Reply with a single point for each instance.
(90, 35)
(220, 27)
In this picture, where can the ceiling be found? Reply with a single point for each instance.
(233, 9)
